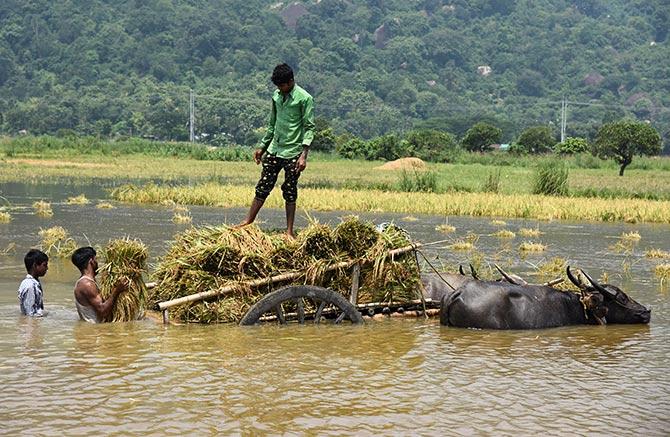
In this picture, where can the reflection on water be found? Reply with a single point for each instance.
(389, 377)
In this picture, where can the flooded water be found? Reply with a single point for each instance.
(396, 376)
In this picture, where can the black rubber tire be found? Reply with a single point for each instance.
(318, 294)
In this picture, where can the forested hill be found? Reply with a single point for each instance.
(112, 67)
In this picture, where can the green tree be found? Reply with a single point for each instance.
(432, 145)
(571, 146)
(324, 138)
(536, 139)
(480, 137)
(623, 139)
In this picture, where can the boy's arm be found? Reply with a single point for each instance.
(308, 122)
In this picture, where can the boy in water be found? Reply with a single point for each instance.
(290, 132)
(31, 295)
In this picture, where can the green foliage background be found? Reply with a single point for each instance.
(125, 67)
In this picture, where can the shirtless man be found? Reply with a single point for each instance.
(87, 299)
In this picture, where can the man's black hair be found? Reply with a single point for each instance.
(81, 256)
(33, 258)
(282, 74)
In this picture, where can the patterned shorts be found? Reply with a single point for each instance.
(272, 165)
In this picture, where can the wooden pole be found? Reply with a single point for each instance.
(355, 277)
(265, 281)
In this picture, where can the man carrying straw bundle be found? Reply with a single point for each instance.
(290, 132)
(87, 298)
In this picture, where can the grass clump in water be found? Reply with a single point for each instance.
(631, 236)
(105, 205)
(657, 253)
(504, 233)
(43, 209)
(5, 217)
(11, 248)
(496, 222)
(662, 272)
(528, 246)
(445, 228)
(56, 241)
(530, 233)
(125, 260)
(182, 219)
(78, 200)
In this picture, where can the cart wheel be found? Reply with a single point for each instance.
(302, 304)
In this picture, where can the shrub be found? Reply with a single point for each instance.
(432, 145)
(418, 181)
(492, 184)
(352, 149)
(571, 146)
(537, 139)
(551, 178)
(480, 137)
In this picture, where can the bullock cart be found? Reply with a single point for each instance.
(313, 304)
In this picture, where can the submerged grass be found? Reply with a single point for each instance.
(78, 200)
(207, 258)
(504, 233)
(5, 217)
(105, 205)
(528, 246)
(43, 209)
(56, 241)
(125, 260)
(474, 204)
(657, 253)
(10, 249)
(530, 233)
(662, 272)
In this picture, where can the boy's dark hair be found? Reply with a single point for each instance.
(282, 74)
(34, 257)
(81, 256)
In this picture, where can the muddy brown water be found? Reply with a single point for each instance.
(397, 376)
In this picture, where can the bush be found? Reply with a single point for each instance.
(352, 149)
(387, 147)
(492, 184)
(572, 146)
(480, 137)
(418, 181)
(432, 145)
(537, 139)
(551, 178)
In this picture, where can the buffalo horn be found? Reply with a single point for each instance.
(460, 270)
(599, 287)
(474, 272)
(505, 275)
(574, 280)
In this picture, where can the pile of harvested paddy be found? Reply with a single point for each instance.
(125, 260)
(207, 258)
(56, 241)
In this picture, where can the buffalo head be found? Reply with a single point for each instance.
(618, 306)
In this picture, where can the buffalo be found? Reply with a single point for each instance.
(506, 305)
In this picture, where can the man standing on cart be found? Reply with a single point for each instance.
(290, 131)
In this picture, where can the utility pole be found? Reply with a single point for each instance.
(564, 115)
(191, 116)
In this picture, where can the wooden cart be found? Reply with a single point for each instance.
(308, 303)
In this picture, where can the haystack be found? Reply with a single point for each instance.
(203, 259)
(404, 164)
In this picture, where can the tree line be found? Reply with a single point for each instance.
(375, 67)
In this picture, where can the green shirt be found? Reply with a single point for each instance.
(291, 123)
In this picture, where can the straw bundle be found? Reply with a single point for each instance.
(355, 237)
(125, 259)
(207, 258)
(56, 241)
